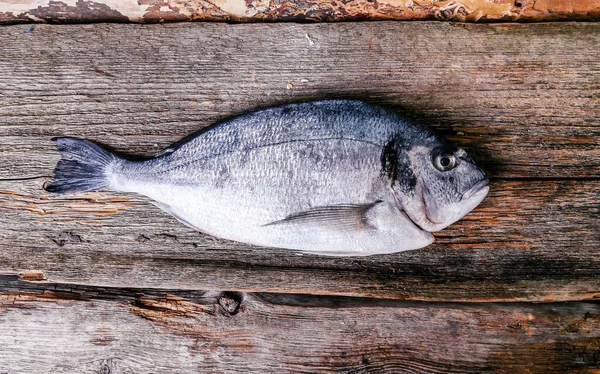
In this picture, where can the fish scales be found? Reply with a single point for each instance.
(335, 177)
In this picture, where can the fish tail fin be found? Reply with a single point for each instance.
(82, 167)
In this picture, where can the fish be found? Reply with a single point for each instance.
(329, 177)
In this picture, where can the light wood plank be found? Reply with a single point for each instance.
(524, 100)
(528, 241)
(56, 328)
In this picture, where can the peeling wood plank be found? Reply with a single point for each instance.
(523, 100)
(150, 11)
(528, 241)
(86, 329)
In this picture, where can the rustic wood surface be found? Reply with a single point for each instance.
(524, 101)
(75, 329)
(528, 241)
(151, 11)
(94, 268)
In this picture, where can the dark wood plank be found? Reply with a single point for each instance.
(528, 241)
(523, 100)
(72, 11)
(63, 328)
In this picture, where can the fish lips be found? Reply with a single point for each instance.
(454, 212)
(478, 190)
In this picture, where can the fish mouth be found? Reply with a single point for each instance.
(477, 189)
(473, 195)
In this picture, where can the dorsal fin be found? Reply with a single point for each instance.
(178, 144)
(175, 146)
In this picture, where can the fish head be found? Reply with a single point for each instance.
(447, 184)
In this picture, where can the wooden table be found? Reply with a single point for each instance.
(106, 282)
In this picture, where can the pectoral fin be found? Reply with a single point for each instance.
(344, 217)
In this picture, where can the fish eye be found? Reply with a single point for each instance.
(444, 161)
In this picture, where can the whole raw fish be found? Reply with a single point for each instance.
(336, 177)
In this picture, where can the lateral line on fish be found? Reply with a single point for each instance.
(177, 165)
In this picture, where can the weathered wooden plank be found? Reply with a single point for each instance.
(528, 241)
(74, 11)
(523, 99)
(59, 328)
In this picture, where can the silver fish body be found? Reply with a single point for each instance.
(334, 177)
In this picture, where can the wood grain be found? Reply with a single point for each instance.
(63, 328)
(523, 100)
(151, 11)
(105, 282)
(528, 241)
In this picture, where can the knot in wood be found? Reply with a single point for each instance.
(230, 302)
